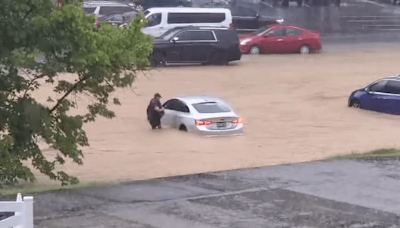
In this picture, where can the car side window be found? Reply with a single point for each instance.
(392, 87)
(277, 32)
(378, 86)
(181, 107)
(185, 36)
(169, 104)
(154, 20)
(293, 32)
(202, 35)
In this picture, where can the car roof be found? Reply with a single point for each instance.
(392, 77)
(188, 9)
(102, 3)
(190, 100)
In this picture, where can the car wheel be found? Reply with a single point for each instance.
(182, 128)
(355, 104)
(255, 50)
(159, 60)
(304, 50)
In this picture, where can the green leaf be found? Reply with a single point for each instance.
(65, 41)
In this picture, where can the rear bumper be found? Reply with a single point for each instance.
(204, 131)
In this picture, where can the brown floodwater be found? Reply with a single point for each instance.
(294, 106)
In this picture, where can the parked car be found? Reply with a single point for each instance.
(206, 45)
(115, 19)
(247, 20)
(382, 95)
(103, 8)
(164, 19)
(201, 114)
(141, 5)
(280, 39)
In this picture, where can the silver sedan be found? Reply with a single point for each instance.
(201, 114)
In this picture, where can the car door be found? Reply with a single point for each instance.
(185, 45)
(378, 99)
(203, 42)
(169, 112)
(272, 41)
(392, 87)
(293, 39)
(181, 112)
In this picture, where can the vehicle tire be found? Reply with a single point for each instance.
(159, 60)
(255, 50)
(304, 50)
(355, 103)
(182, 128)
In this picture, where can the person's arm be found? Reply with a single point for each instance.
(159, 107)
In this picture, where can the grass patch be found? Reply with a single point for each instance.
(386, 153)
(32, 188)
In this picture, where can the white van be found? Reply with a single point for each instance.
(164, 19)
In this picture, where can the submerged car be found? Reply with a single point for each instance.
(382, 95)
(192, 44)
(280, 39)
(201, 114)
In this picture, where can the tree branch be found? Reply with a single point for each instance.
(42, 75)
(67, 93)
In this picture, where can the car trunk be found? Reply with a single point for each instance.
(220, 121)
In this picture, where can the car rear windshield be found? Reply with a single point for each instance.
(211, 107)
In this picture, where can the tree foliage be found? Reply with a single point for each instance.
(38, 41)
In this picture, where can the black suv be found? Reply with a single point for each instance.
(192, 44)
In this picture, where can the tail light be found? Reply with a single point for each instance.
(238, 120)
(203, 122)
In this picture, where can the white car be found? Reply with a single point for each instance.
(201, 114)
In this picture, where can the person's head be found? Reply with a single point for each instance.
(157, 96)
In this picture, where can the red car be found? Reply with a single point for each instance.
(280, 39)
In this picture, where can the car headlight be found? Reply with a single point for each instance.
(244, 42)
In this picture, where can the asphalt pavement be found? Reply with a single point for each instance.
(331, 194)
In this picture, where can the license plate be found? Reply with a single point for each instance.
(221, 124)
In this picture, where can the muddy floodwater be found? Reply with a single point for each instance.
(294, 106)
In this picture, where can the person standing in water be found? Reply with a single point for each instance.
(155, 111)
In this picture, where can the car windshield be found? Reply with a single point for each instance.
(260, 30)
(211, 107)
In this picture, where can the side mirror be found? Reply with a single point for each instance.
(174, 39)
(366, 90)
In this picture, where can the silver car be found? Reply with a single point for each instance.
(201, 114)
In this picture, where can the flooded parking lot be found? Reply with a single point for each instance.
(294, 108)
